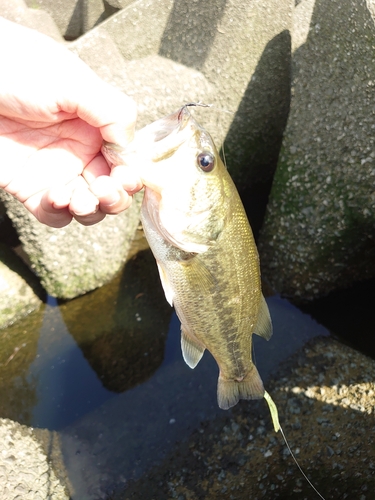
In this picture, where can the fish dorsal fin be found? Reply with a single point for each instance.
(192, 351)
(263, 327)
(168, 290)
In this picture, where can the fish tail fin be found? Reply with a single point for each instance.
(229, 392)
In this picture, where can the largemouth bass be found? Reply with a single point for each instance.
(208, 263)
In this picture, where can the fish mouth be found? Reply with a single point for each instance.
(157, 140)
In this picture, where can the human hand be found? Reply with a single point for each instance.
(54, 114)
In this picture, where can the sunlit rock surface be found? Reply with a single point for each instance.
(35, 478)
(35, 18)
(17, 297)
(234, 55)
(75, 259)
(325, 397)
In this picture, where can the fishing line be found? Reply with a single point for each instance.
(204, 105)
(276, 424)
(223, 153)
(222, 110)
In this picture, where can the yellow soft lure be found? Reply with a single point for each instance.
(277, 427)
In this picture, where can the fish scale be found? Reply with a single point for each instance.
(198, 231)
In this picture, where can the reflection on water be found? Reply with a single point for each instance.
(125, 437)
(18, 349)
(122, 327)
(66, 385)
(106, 371)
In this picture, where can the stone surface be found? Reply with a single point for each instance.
(18, 12)
(325, 396)
(119, 4)
(239, 62)
(319, 228)
(180, 58)
(74, 17)
(19, 290)
(21, 452)
(75, 259)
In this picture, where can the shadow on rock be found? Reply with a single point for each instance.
(251, 154)
(325, 404)
(191, 25)
(318, 231)
(348, 314)
(252, 145)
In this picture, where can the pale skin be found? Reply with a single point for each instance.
(54, 114)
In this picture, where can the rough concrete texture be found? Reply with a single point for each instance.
(18, 12)
(21, 451)
(319, 228)
(75, 259)
(180, 58)
(74, 17)
(239, 61)
(325, 396)
(18, 298)
(119, 4)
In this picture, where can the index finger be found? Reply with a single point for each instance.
(103, 106)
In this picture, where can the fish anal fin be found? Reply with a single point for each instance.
(192, 351)
(229, 391)
(263, 327)
(168, 291)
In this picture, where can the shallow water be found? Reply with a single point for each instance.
(105, 371)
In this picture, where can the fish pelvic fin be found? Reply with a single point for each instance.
(192, 351)
(168, 290)
(263, 327)
(229, 392)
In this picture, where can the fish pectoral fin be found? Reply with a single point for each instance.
(192, 351)
(168, 291)
(198, 273)
(229, 392)
(263, 327)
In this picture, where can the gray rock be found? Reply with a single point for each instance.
(19, 289)
(18, 12)
(165, 54)
(235, 55)
(181, 58)
(75, 259)
(25, 471)
(119, 4)
(74, 17)
(319, 229)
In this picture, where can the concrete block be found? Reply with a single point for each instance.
(243, 53)
(18, 12)
(75, 259)
(20, 292)
(164, 54)
(22, 451)
(73, 17)
(319, 228)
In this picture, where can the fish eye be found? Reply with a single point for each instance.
(206, 161)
